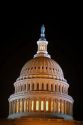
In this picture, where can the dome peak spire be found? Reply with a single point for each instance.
(42, 35)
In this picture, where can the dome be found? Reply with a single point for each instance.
(41, 90)
(42, 67)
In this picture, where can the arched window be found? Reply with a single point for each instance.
(24, 87)
(33, 86)
(37, 86)
(37, 105)
(28, 86)
(42, 67)
(55, 87)
(59, 88)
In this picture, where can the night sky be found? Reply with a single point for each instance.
(18, 45)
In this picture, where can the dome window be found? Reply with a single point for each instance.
(32, 106)
(37, 105)
(46, 105)
(42, 67)
(37, 86)
(34, 67)
(42, 105)
(46, 67)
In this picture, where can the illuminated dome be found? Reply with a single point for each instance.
(42, 67)
(41, 90)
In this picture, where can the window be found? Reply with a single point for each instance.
(37, 86)
(55, 87)
(42, 105)
(59, 88)
(28, 86)
(24, 87)
(37, 105)
(42, 67)
(33, 86)
(32, 106)
(46, 105)
(42, 47)
(46, 67)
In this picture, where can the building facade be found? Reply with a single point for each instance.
(41, 89)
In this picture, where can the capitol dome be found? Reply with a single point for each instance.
(42, 67)
(41, 91)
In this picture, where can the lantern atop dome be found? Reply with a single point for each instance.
(42, 44)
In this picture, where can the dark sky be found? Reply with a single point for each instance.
(18, 45)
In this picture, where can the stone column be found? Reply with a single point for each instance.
(26, 87)
(44, 105)
(27, 105)
(49, 104)
(22, 105)
(64, 106)
(56, 105)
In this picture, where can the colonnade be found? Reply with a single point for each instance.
(39, 105)
(42, 87)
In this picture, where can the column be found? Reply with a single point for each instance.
(56, 105)
(64, 106)
(44, 105)
(52, 105)
(49, 104)
(22, 105)
(27, 105)
(26, 87)
(14, 106)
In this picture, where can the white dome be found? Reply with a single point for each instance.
(42, 67)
